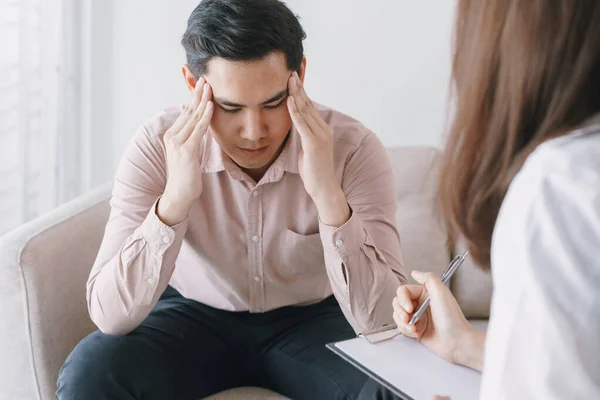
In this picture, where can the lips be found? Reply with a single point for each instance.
(255, 152)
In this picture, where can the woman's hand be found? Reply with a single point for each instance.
(443, 328)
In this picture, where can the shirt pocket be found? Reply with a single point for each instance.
(301, 255)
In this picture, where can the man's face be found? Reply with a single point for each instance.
(250, 120)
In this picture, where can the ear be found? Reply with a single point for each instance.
(188, 76)
(302, 71)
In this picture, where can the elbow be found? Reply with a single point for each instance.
(109, 323)
(115, 328)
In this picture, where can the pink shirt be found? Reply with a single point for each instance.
(248, 246)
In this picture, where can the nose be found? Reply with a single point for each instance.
(254, 127)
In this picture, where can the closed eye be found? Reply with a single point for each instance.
(276, 105)
(235, 110)
(230, 110)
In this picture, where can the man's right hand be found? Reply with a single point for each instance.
(182, 143)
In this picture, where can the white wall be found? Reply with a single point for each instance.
(385, 62)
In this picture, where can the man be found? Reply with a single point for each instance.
(233, 222)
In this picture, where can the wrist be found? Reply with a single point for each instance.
(469, 349)
(333, 208)
(170, 211)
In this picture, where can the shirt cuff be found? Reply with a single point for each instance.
(158, 235)
(344, 241)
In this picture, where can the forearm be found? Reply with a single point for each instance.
(170, 211)
(363, 281)
(333, 208)
(117, 305)
(124, 287)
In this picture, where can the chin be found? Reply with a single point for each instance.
(252, 163)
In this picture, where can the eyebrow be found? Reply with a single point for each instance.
(228, 103)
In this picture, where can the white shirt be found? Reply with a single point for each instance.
(544, 335)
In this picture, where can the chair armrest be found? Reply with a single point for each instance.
(44, 266)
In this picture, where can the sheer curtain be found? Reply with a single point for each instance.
(40, 107)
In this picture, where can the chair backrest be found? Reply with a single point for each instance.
(424, 236)
(44, 267)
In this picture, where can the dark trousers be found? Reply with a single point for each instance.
(374, 391)
(187, 350)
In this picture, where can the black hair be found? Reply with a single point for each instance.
(242, 30)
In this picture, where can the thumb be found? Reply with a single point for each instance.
(432, 282)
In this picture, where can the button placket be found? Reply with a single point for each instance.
(255, 249)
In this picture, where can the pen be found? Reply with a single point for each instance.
(452, 268)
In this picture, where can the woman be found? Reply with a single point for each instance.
(521, 183)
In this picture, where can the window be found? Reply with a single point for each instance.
(40, 101)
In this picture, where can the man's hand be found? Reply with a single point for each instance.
(315, 162)
(182, 143)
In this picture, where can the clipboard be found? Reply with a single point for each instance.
(386, 332)
(368, 372)
(406, 367)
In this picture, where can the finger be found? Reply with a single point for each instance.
(180, 122)
(303, 105)
(306, 108)
(185, 133)
(401, 326)
(311, 108)
(197, 93)
(420, 326)
(407, 294)
(404, 317)
(299, 122)
(199, 131)
(434, 285)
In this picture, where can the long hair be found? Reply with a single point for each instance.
(524, 71)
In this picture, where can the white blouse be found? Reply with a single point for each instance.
(543, 339)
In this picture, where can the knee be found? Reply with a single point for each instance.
(94, 369)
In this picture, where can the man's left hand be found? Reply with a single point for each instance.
(315, 161)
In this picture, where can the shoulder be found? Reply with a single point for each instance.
(148, 139)
(575, 156)
(156, 126)
(556, 167)
(549, 222)
(349, 134)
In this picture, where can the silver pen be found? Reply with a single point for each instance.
(452, 268)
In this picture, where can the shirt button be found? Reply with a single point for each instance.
(150, 280)
(255, 238)
(254, 194)
(339, 243)
(166, 239)
(257, 279)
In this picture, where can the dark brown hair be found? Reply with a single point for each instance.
(524, 71)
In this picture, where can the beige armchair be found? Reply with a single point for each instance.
(45, 263)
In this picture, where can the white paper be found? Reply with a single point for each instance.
(413, 369)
